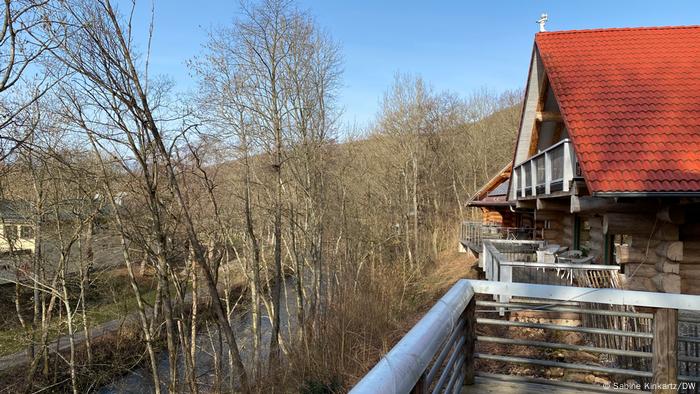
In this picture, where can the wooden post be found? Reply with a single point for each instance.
(420, 387)
(470, 341)
(665, 350)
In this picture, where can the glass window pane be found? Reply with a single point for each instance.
(10, 232)
(27, 232)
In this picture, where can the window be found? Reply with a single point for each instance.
(26, 232)
(10, 232)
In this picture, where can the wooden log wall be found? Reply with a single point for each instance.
(662, 237)
(596, 244)
(551, 224)
(501, 216)
(663, 254)
(491, 216)
(561, 227)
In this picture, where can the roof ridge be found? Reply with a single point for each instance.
(614, 29)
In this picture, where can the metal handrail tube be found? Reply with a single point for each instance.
(546, 308)
(586, 294)
(453, 378)
(587, 330)
(516, 241)
(689, 359)
(400, 369)
(407, 362)
(549, 149)
(526, 175)
(548, 363)
(573, 266)
(531, 302)
(445, 351)
(449, 366)
(686, 378)
(565, 346)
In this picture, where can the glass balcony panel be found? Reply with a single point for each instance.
(539, 164)
(557, 159)
(528, 178)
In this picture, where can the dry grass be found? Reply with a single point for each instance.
(113, 354)
(361, 325)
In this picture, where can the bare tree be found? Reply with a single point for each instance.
(23, 45)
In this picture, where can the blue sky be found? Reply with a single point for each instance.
(454, 45)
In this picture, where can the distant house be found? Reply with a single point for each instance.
(607, 159)
(16, 228)
(97, 245)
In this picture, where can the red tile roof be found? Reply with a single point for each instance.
(631, 102)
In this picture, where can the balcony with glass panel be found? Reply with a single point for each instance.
(548, 172)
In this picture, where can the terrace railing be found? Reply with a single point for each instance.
(472, 234)
(516, 261)
(546, 172)
(443, 351)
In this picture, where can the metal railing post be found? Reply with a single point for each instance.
(470, 342)
(533, 177)
(547, 173)
(421, 386)
(568, 173)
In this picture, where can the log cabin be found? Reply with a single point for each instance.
(607, 158)
(492, 201)
(496, 216)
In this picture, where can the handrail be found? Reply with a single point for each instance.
(399, 370)
(549, 149)
(538, 171)
(517, 241)
(498, 267)
(570, 266)
(586, 294)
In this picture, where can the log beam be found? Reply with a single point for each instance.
(635, 224)
(671, 250)
(640, 270)
(548, 215)
(638, 283)
(586, 204)
(547, 116)
(690, 286)
(665, 252)
(589, 204)
(668, 283)
(552, 205)
(671, 214)
(525, 204)
(668, 267)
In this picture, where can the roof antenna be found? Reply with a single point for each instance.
(542, 21)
